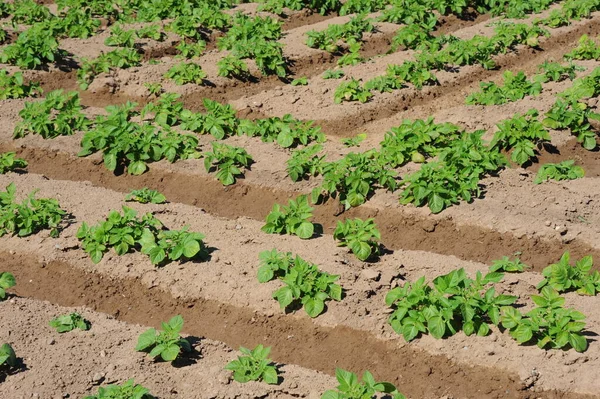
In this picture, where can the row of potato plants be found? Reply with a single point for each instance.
(353, 179)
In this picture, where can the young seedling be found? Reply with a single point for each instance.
(360, 236)
(9, 162)
(333, 74)
(7, 356)
(351, 388)
(155, 89)
(167, 344)
(254, 366)
(291, 219)
(145, 196)
(354, 141)
(305, 162)
(7, 280)
(69, 322)
(303, 81)
(128, 390)
(508, 266)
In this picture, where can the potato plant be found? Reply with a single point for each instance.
(166, 344)
(7, 280)
(292, 219)
(359, 235)
(452, 303)
(564, 170)
(59, 114)
(227, 161)
(254, 365)
(185, 73)
(8, 358)
(9, 162)
(70, 322)
(128, 390)
(146, 196)
(351, 388)
(305, 283)
(548, 325)
(30, 215)
(564, 277)
(14, 86)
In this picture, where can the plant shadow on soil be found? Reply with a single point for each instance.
(18, 368)
(189, 358)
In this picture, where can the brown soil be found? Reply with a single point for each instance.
(222, 302)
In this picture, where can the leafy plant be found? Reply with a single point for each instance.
(184, 73)
(358, 235)
(565, 170)
(333, 74)
(274, 264)
(171, 244)
(57, 115)
(30, 216)
(351, 388)
(7, 356)
(302, 81)
(9, 162)
(351, 91)
(454, 302)
(7, 280)
(120, 37)
(563, 277)
(354, 178)
(233, 67)
(522, 133)
(574, 115)
(227, 160)
(549, 324)
(305, 283)
(354, 141)
(254, 366)
(128, 390)
(122, 58)
(587, 49)
(286, 131)
(191, 50)
(13, 86)
(69, 322)
(134, 145)
(34, 47)
(145, 196)
(439, 186)
(155, 89)
(153, 32)
(305, 162)
(555, 72)
(507, 265)
(167, 343)
(122, 232)
(516, 87)
(291, 219)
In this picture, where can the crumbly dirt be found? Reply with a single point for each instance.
(75, 364)
(224, 305)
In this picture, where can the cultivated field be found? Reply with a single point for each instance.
(377, 120)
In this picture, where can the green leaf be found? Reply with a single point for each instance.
(170, 353)
(305, 230)
(146, 340)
